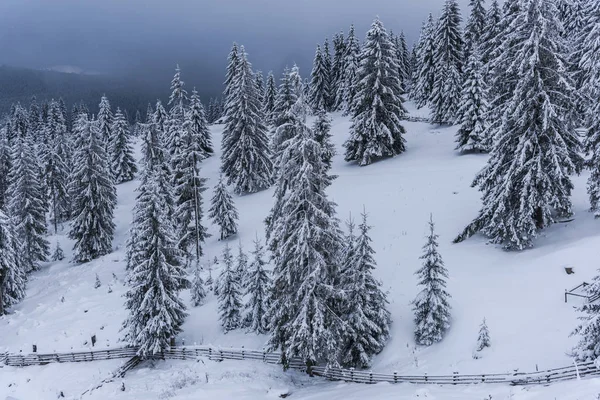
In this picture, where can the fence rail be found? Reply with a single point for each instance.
(339, 374)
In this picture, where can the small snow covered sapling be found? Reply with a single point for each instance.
(97, 284)
(58, 253)
(483, 340)
(198, 291)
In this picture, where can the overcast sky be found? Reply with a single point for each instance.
(149, 37)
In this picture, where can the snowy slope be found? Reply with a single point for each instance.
(520, 294)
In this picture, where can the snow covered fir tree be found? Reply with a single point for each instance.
(431, 307)
(258, 289)
(222, 210)
(122, 162)
(229, 297)
(12, 273)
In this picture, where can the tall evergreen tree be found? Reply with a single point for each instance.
(222, 210)
(26, 204)
(473, 107)
(12, 274)
(233, 62)
(260, 86)
(338, 68)
(156, 312)
(4, 170)
(174, 127)
(57, 157)
(328, 66)
(258, 287)
(319, 82)
(122, 163)
(524, 194)
(305, 243)
(424, 74)
(246, 158)
(230, 303)
(269, 99)
(199, 125)
(491, 31)
(376, 129)
(241, 266)
(367, 318)
(161, 119)
(94, 195)
(198, 293)
(321, 129)
(448, 55)
(105, 120)
(347, 89)
(431, 307)
(475, 27)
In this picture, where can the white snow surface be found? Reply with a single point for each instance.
(521, 294)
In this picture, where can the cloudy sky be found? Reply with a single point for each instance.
(148, 37)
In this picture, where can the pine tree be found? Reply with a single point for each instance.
(448, 55)
(26, 204)
(5, 164)
(12, 273)
(269, 99)
(229, 299)
(491, 33)
(246, 158)
(483, 340)
(174, 126)
(321, 129)
(161, 119)
(57, 157)
(93, 195)
(403, 59)
(233, 63)
(338, 68)
(473, 107)
(58, 254)
(138, 123)
(328, 67)
(524, 194)
(122, 163)
(197, 290)
(223, 211)
(475, 27)
(305, 243)
(346, 91)
(258, 286)
(35, 120)
(424, 74)
(368, 321)
(241, 267)
(431, 307)
(588, 347)
(105, 120)
(199, 125)
(319, 83)
(376, 130)
(156, 311)
(260, 86)
(285, 100)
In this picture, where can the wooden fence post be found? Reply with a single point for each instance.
(35, 348)
(454, 377)
(221, 354)
(93, 340)
(370, 377)
(243, 357)
(395, 377)
(264, 356)
(425, 376)
(351, 374)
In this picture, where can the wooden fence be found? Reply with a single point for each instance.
(338, 374)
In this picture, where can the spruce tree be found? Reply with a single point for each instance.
(448, 55)
(233, 63)
(57, 157)
(431, 307)
(475, 27)
(376, 129)
(122, 163)
(305, 242)
(338, 68)
(174, 127)
(473, 107)
(319, 83)
(258, 287)
(4, 169)
(222, 210)
(246, 158)
(161, 119)
(197, 290)
(424, 74)
(198, 125)
(188, 183)
(105, 120)
(156, 312)
(137, 124)
(368, 321)
(483, 340)
(269, 99)
(321, 128)
(26, 204)
(260, 86)
(346, 91)
(58, 253)
(491, 32)
(12, 273)
(229, 297)
(524, 194)
(93, 195)
(328, 67)
(285, 100)
(241, 266)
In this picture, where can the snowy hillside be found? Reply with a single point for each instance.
(519, 293)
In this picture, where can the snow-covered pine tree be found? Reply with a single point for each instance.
(346, 91)
(258, 289)
(448, 55)
(473, 107)
(338, 68)
(137, 124)
(229, 298)
(491, 31)
(403, 56)
(269, 99)
(122, 163)
(475, 27)
(260, 86)
(58, 253)
(319, 83)
(522, 195)
(328, 66)
(424, 73)
(376, 129)
(156, 312)
(5, 164)
(26, 206)
(161, 119)
(483, 340)
(321, 129)
(588, 347)
(246, 158)
(285, 100)
(12, 273)
(305, 241)
(233, 62)
(431, 307)
(93, 195)
(174, 127)
(222, 210)
(241, 266)
(199, 124)
(105, 121)
(198, 292)
(368, 321)
(35, 120)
